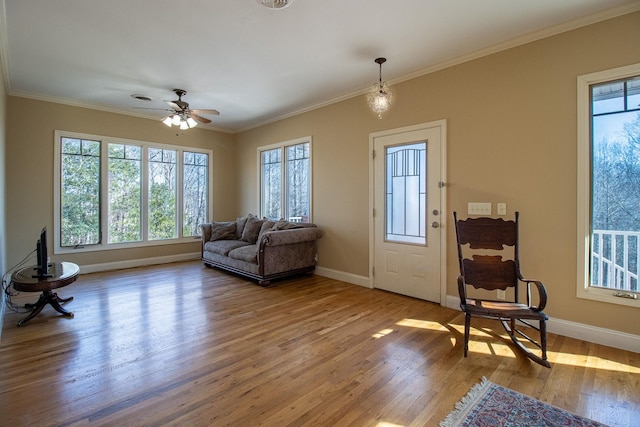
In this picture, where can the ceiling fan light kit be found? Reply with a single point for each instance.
(275, 4)
(379, 95)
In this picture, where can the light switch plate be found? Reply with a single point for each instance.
(479, 208)
(501, 209)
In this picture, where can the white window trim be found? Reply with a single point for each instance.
(103, 245)
(584, 184)
(282, 146)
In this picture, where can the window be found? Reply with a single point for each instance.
(196, 194)
(608, 192)
(80, 192)
(285, 180)
(125, 213)
(115, 193)
(162, 194)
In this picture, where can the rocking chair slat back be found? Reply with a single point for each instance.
(490, 272)
(487, 233)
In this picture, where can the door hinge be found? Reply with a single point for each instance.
(374, 212)
(373, 271)
(373, 154)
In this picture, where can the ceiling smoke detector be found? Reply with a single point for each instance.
(275, 4)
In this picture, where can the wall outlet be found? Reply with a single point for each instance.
(502, 294)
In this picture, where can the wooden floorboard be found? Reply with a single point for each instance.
(182, 344)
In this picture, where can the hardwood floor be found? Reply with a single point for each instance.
(182, 344)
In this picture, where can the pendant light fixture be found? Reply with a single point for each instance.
(379, 95)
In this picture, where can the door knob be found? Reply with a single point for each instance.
(435, 224)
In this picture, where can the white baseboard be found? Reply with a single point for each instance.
(594, 334)
(342, 276)
(119, 265)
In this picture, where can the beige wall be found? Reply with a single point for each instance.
(511, 138)
(29, 196)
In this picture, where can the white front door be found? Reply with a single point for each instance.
(408, 203)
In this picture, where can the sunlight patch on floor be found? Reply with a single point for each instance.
(479, 345)
(423, 324)
(386, 424)
(593, 362)
(494, 348)
(382, 333)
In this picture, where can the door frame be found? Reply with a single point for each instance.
(442, 124)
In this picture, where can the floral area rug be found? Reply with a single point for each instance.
(491, 405)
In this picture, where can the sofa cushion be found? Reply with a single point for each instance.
(251, 229)
(223, 231)
(266, 226)
(285, 225)
(222, 247)
(240, 223)
(246, 253)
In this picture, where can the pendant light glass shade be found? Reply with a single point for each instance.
(379, 95)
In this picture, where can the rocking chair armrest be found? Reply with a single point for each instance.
(542, 294)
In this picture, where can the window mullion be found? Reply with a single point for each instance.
(144, 223)
(179, 193)
(284, 187)
(104, 192)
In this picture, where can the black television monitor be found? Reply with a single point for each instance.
(42, 267)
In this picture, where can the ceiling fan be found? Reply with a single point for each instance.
(182, 115)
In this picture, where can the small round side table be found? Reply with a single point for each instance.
(61, 274)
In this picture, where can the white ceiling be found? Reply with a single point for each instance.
(253, 64)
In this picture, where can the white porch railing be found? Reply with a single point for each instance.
(615, 259)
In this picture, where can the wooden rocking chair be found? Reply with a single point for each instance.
(500, 271)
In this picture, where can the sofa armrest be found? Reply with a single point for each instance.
(285, 237)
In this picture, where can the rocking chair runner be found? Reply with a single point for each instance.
(492, 272)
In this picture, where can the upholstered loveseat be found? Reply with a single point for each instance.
(259, 248)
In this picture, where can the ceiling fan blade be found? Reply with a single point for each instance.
(174, 105)
(199, 118)
(207, 111)
(156, 109)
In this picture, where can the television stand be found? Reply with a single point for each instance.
(61, 274)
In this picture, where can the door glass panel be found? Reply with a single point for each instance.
(406, 193)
